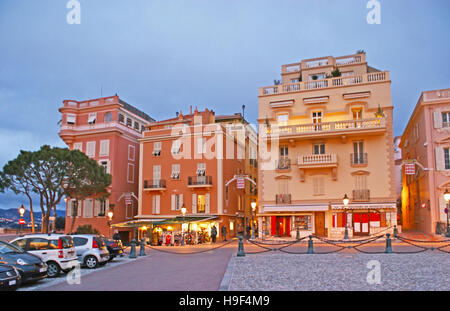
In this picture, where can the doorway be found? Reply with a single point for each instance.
(280, 226)
(361, 224)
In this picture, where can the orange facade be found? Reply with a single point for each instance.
(106, 129)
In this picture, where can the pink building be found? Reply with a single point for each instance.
(106, 129)
(426, 142)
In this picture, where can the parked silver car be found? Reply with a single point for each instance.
(90, 249)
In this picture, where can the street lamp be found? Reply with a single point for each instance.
(253, 204)
(21, 212)
(447, 199)
(110, 216)
(183, 211)
(346, 200)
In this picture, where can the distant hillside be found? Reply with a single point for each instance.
(13, 215)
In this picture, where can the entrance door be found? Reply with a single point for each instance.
(281, 226)
(319, 223)
(360, 224)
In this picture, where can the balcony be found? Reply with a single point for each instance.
(154, 185)
(317, 160)
(337, 128)
(199, 181)
(71, 129)
(283, 164)
(361, 195)
(283, 199)
(382, 76)
(357, 159)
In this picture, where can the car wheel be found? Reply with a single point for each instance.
(91, 262)
(53, 269)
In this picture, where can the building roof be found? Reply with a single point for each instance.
(136, 111)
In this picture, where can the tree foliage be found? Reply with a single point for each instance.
(53, 173)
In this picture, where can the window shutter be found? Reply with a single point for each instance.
(207, 199)
(79, 208)
(194, 203)
(439, 153)
(90, 148)
(104, 147)
(108, 167)
(87, 208)
(181, 201)
(340, 218)
(96, 207)
(383, 219)
(157, 204)
(437, 119)
(172, 207)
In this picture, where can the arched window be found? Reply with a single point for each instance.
(108, 117)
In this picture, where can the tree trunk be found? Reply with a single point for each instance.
(31, 213)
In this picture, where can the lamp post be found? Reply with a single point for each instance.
(447, 199)
(110, 216)
(346, 200)
(21, 212)
(253, 204)
(183, 211)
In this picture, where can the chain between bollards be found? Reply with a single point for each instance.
(240, 252)
(133, 249)
(142, 250)
(388, 244)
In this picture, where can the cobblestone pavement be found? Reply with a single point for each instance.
(343, 271)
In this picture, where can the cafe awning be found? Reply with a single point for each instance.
(137, 223)
(159, 221)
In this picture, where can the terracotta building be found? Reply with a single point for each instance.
(106, 129)
(186, 162)
(426, 143)
(325, 131)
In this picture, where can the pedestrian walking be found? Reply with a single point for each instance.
(224, 233)
(213, 234)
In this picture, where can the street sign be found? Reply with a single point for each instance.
(410, 168)
(240, 183)
(21, 221)
(51, 218)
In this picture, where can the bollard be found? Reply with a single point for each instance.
(298, 233)
(240, 252)
(133, 249)
(142, 250)
(388, 244)
(395, 232)
(310, 246)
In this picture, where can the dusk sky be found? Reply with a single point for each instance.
(163, 56)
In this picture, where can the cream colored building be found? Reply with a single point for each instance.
(325, 131)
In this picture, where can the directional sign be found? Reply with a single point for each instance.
(240, 183)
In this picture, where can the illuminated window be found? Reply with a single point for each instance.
(200, 203)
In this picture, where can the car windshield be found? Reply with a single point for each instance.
(6, 248)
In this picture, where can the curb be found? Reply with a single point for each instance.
(225, 284)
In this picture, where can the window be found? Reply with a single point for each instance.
(175, 171)
(177, 202)
(88, 208)
(319, 76)
(283, 186)
(157, 149)
(142, 128)
(201, 169)
(283, 119)
(200, 203)
(108, 117)
(77, 241)
(131, 152)
(92, 117)
(360, 182)
(303, 222)
(359, 157)
(318, 185)
(22, 243)
(136, 126)
(357, 113)
(201, 145)
(155, 204)
(71, 118)
(447, 158)
(319, 148)
(130, 173)
(347, 73)
(156, 174)
(284, 151)
(100, 208)
(121, 118)
(446, 119)
(176, 147)
(129, 122)
(78, 146)
(104, 147)
(317, 119)
(37, 244)
(90, 148)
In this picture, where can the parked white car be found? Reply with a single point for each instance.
(56, 250)
(90, 249)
